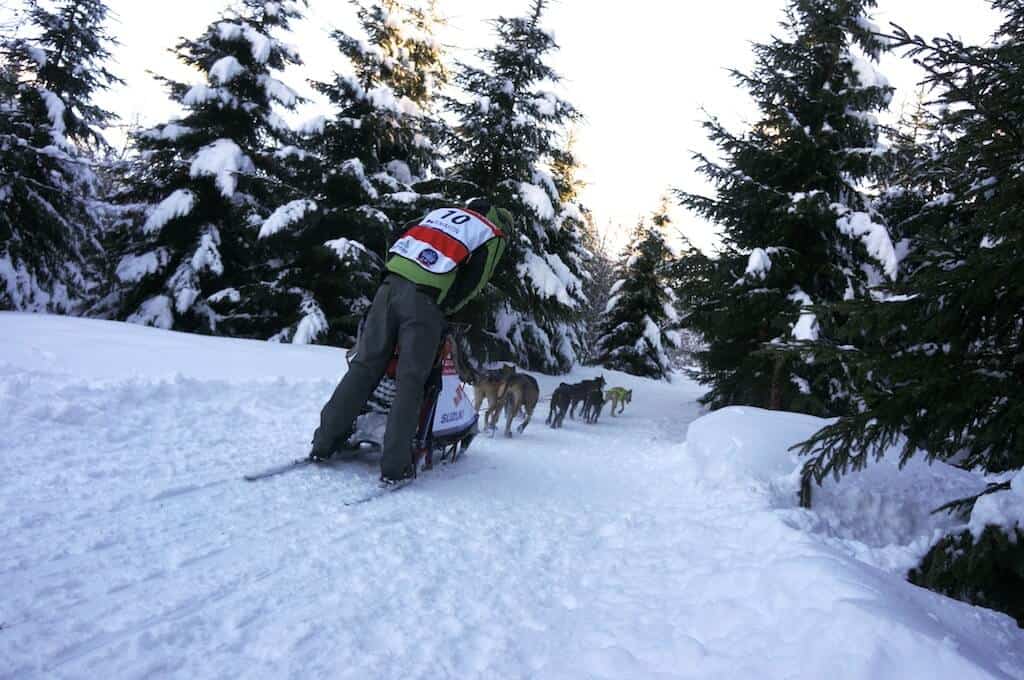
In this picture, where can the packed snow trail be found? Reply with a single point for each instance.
(132, 548)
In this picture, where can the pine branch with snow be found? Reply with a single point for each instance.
(511, 134)
(202, 186)
(942, 370)
(51, 215)
(800, 233)
(363, 170)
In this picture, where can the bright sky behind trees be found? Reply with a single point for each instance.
(640, 72)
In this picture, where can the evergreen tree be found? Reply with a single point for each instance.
(509, 133)
(946, 384)
(799, 233)
(363, 170)
(600, 276)
(205, 184)
(50, 127)
(943, 379)
(598, 269)
(638, 327)
(690, 276)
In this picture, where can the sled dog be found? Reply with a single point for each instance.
(618, 396)
(579, 391)
(592, 406)
(489, 385)
(560, 399)
(519, 392)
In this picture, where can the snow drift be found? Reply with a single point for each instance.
(132, 548)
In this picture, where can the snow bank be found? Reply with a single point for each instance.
(843, 562)
(881, 515)
(109, 350)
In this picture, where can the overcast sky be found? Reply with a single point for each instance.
(639, 71)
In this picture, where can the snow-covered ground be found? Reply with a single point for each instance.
(647, 546)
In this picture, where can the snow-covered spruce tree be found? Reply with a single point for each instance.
(946, 379)
(203, 185)
(50, 130)
(362, 170)
(639, 324)
(799, 233)
(690, 276)
(510, 131)
(599, 271)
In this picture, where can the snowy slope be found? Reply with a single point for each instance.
(131, 548)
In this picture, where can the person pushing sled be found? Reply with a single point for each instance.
(436, 266)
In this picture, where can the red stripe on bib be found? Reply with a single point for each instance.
(450, 247)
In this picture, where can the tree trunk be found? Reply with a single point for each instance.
(775, 394)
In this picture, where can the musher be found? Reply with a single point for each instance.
(437, 265)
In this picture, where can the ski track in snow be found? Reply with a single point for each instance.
(133, 549)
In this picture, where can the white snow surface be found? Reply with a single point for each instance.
(548, 277)
(759, 264)
(806, 326)
(133, 268)
(287, 215)
(537, 200)
(178, 204)
(651, 545)
(225, 69)
(224, 161)
(1003, 509)
(874, 236)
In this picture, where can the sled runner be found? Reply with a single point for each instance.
(447, 421)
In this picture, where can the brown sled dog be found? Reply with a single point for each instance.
(520, 392)
(489, 385)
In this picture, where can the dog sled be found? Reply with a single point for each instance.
(448, 420)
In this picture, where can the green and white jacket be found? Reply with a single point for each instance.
(454, 251)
